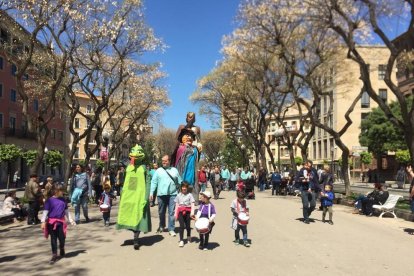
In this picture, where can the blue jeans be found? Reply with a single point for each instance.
(84, 203)
(203, 186)
(308, 202)
(262, 186)
(358, 201)
(165, 201)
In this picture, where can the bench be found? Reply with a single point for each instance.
(4, 215)
(388, 206)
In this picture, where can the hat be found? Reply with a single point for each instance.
(186, 131)
(206, 194)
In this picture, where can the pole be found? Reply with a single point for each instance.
(278, 155)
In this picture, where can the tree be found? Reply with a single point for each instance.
(29, 156)
(54, 158)
(165, 142)
(9, 153)
(232, 155)
(366, 158)
(379, 134)
(298, 161)
(213, 142)
(403, 156)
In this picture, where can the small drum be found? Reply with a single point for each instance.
(243, 218)
(202, 225)
(104, 208)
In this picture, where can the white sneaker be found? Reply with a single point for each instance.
(181, 244)
(173, 234)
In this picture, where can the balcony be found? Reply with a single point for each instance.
(18, 133)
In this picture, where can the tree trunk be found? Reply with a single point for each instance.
(345, 171)
(292, 161)
(68, 169)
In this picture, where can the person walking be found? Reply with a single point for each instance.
(202, 178)
(33, 195)
(166, 181)
(233, 179)
(225, 175)
(215, 180)
(410, 173)
(81, 190)
(309, 186)
(276, 179)
(262, 179)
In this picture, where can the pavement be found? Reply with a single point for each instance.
(281, 245)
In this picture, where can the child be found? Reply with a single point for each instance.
(106, 198)
(184, 210)
(206, 210)
(53, 220)
(240, 205)
(327, 202)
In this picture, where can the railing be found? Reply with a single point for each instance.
(18, 133)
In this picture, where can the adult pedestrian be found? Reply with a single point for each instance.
(97, 184)
(81, 190)
(33, 195)
(202, 178)
(225, 175)
(233, 179)
(309, 187)
(216, 180)
(120, 179)
(262, 179)
(166, 181)
(400, 178)
(410, 172)
(245, 175)
(276, 180)
(151, 173)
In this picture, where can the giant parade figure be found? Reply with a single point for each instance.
(134, 210)
(187, 152)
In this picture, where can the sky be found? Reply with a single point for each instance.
(192, 31)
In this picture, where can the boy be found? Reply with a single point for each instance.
(106, 198)
(239, 205)
(327, 202)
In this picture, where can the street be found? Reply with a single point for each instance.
(281, 245)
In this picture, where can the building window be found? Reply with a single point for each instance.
(325, 149)
(314, 150)
(365, 100)
(77, 153)
(383, 94)
(13, 95)
(382, 69)
(36, 105)
(1, 90)
(330, 118)
(60, 135)
(88, 109)
(88, 123)
(325, 104)
(1, 63)
(24, 126)
(13, 69)
(12, 123)
(1, 120)
(77, 124)
(4, 36)
(53, 133)
(319, 150)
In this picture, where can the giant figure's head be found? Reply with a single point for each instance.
(186, 136)
(136, 154)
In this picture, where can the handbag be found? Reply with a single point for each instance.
(234, 223)
(177, 186)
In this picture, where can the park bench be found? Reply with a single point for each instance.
(4, 215)
(388, 206)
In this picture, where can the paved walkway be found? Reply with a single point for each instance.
(281, 245)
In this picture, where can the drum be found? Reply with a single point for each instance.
(104, 208)
(202, 225)
(243, 218)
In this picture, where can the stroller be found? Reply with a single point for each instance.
(249, 188)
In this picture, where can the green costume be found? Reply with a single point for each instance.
(134, 210)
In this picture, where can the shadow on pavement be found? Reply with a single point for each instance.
(213, 245)
(310, 220)
(145, 241)
(75, 253)
(409, 231)
(7, 259)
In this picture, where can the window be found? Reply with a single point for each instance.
(77, 153)
(382, 69)
(13, 95)
(77, 124)
(1, 90)
(24, 126)
(325, 104)
(365, 100)
(383, 94)
(12, 123)
(314, 150)
(13, 69)
(60, 135)
(53, 133)
(88, 109)
(330, 119)
(331, 142)
(1, 63)
(319, 150)
(325, 149)
(36, 105)
(1, 120)
(88, 123)
(4, 36)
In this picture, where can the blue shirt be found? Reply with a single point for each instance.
(163, 183)
(225, 174)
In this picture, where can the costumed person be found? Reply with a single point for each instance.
(53, 221)
(105, 202)
(134, 207)
(185, 158)
(207, 212)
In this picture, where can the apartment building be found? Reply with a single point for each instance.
(13, 126)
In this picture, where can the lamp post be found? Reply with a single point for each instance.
(243, 148)
(278, 134)
(238, 134)
(278, 154)
(332, 158)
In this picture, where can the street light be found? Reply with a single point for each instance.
(332, 158)
(278, 134)
(243, 148)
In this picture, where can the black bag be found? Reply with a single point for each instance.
(177, 186)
